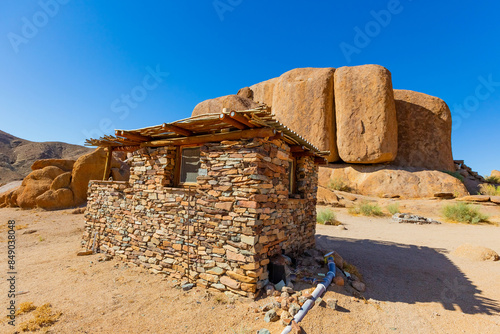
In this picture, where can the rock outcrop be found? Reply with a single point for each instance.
(367, 129)
(475, 253)
(392, 181)
(424, 131)
(495, 173)
(303, 100)
(35, 184)
(64, 164)
(63, 184)
(215, 106)
(89, 167)
(263, 91)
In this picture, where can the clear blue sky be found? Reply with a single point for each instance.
(66, 69)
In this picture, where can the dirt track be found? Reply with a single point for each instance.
(414, 285)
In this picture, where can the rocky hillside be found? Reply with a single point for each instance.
(17, 155)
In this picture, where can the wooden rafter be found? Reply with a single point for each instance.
(132, 136)
(176, 129)
(240, 118)
(233, 135)
(231, 121)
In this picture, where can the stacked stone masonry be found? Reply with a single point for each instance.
(220, 232)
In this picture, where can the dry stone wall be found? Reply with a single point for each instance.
(221, 232)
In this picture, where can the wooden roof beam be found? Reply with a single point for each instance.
(297, 148)
(233, 135)
(240, 118)
(132, 136)
(231, 121)
(176, 129)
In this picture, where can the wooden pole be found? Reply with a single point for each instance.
(240, 118)
(233, 135)
(176, 129)
(132, 136)
(227, 119)
(107, 168)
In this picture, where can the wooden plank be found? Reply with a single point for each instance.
(176, 129)
(240, 118)
(227, 119)
(297, 148)
(132, 136)
(303, 154)
(107, 168)
(127, 148)
(233, 135)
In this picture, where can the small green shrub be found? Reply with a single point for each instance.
(492, 179)
(326, 217)
(454, 174)
(464, 213)
(338, 184)
(366, 209)
(489, 189)
(393, 208)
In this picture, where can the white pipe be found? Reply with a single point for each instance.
(318, 292)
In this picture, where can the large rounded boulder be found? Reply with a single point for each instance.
(367, 128)
(215, 106)
(424, 131)
(35, 184)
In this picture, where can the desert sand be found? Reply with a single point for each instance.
(414, 283)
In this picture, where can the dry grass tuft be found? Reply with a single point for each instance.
(25, 308)
(352, 269)
(43, 316)
(366, 209)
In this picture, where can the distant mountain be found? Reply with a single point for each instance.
(17, 155)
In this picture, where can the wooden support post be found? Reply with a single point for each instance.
(109, 157)
(233, 135)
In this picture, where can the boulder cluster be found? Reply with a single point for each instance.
(354, 113)
(59, 183)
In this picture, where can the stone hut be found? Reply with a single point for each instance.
(211, 198)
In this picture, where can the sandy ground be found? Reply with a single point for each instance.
(414, 284)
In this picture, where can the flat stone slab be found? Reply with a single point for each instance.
(475, 198)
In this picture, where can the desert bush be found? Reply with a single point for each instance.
(464, 213)
(455, 175)
(492, 179)
(393, 208)
(338, 184)
(489, 189)
(366, 209)
(326, 217)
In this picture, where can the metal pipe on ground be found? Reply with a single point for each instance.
(318, 292)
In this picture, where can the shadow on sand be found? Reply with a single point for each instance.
(410, 274)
